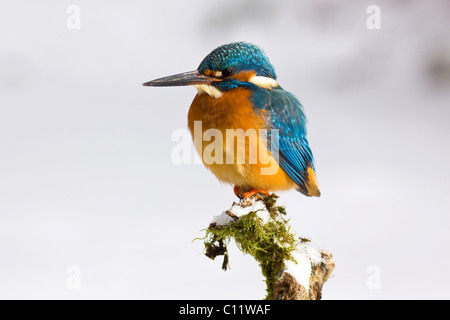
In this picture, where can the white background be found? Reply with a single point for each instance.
(87, 180)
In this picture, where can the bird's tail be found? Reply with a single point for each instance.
(310, 187)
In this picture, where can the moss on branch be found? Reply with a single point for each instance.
(269, 242)
(293, 270)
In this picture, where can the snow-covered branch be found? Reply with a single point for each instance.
(292, 267)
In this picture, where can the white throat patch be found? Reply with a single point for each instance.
(208, 89)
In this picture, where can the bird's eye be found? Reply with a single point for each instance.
(227, 72)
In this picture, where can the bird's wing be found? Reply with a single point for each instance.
(285, 113)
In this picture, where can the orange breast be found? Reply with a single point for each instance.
(226, 133)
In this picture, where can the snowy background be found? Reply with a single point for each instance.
(92, 205)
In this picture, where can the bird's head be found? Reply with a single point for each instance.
(227, 67)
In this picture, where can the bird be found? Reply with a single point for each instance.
(237, 89)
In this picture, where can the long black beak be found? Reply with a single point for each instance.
(181, 79)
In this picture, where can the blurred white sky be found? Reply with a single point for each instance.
(86, 177)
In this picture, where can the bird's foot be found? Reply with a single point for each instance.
(249, 193)
(252, 192)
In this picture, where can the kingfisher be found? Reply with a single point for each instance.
(237, 91)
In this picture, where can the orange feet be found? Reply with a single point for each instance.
(252, 192)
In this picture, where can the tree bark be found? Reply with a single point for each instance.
(287, 287)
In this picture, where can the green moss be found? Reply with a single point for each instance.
(270, 244)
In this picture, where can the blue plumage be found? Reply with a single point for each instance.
(238, 56)
(285, 113)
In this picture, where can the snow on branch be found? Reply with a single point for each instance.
(292, 267)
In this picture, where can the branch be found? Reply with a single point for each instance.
(292, 268)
